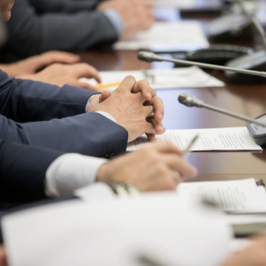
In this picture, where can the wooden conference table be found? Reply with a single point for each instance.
(249, 100)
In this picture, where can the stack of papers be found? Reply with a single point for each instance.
(162, 227)
(166, 36)
(235, 196)
(211, 139)
(160, 79)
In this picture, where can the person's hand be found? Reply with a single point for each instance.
(32, 64)
(5, 9)
(3, 260)
(151, 99)
(137, 14)
(255, 255)
(157, 166)
(59, 75)
(134, 106)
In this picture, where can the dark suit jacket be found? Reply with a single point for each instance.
(22, 172)
(62, 123)
(27, 148)
(37, 26)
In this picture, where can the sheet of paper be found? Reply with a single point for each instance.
(210, 139)
(176, 3)
(161, 79)
(165, 36)
(190, 4)
(166, 227)
(237, 195)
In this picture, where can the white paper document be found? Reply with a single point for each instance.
(176, 3)
(166, 36)
(161, 79)
(237, 195)
(118, 232)
(210, 139)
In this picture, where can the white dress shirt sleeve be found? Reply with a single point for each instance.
(70, 172)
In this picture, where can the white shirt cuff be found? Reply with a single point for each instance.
(70, 172)
(100, 112)
(116, 20)
(88, 102)
(106, 115)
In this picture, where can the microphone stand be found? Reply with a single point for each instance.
(192, 101)
(151, 57)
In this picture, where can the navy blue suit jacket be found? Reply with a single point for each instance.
(27, 148)
(44, 115)
(22, 172)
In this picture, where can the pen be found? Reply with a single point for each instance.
(103, 86)
(189, 146)
(147, 260)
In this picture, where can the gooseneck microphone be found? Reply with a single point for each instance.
(254, 20)
(192, 101)
(152, 57)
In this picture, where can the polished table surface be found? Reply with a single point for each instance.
(249, 100)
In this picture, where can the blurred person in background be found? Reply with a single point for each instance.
(37, 26)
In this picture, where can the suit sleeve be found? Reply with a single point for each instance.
(26, 100)
(67, 6)
(22, 171)
(89, 134)
(33, 33)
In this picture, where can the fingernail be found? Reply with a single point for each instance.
(149, 95)
(161, 116)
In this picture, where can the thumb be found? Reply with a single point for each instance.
(104, 96)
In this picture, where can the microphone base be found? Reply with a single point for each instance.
(218, 54)
(255, 61)
(231, 27)
(257, 132)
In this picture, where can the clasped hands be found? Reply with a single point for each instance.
(134, 106)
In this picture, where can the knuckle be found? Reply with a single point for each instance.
(169, 183)
(121, 89)
(155, 158)
(168, 144)
(144, 82)
(130, 77)
(82, 65)
(144, 150)
(162, 170)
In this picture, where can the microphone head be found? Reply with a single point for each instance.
(149, 57)
(189, 100)
(182, 98)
